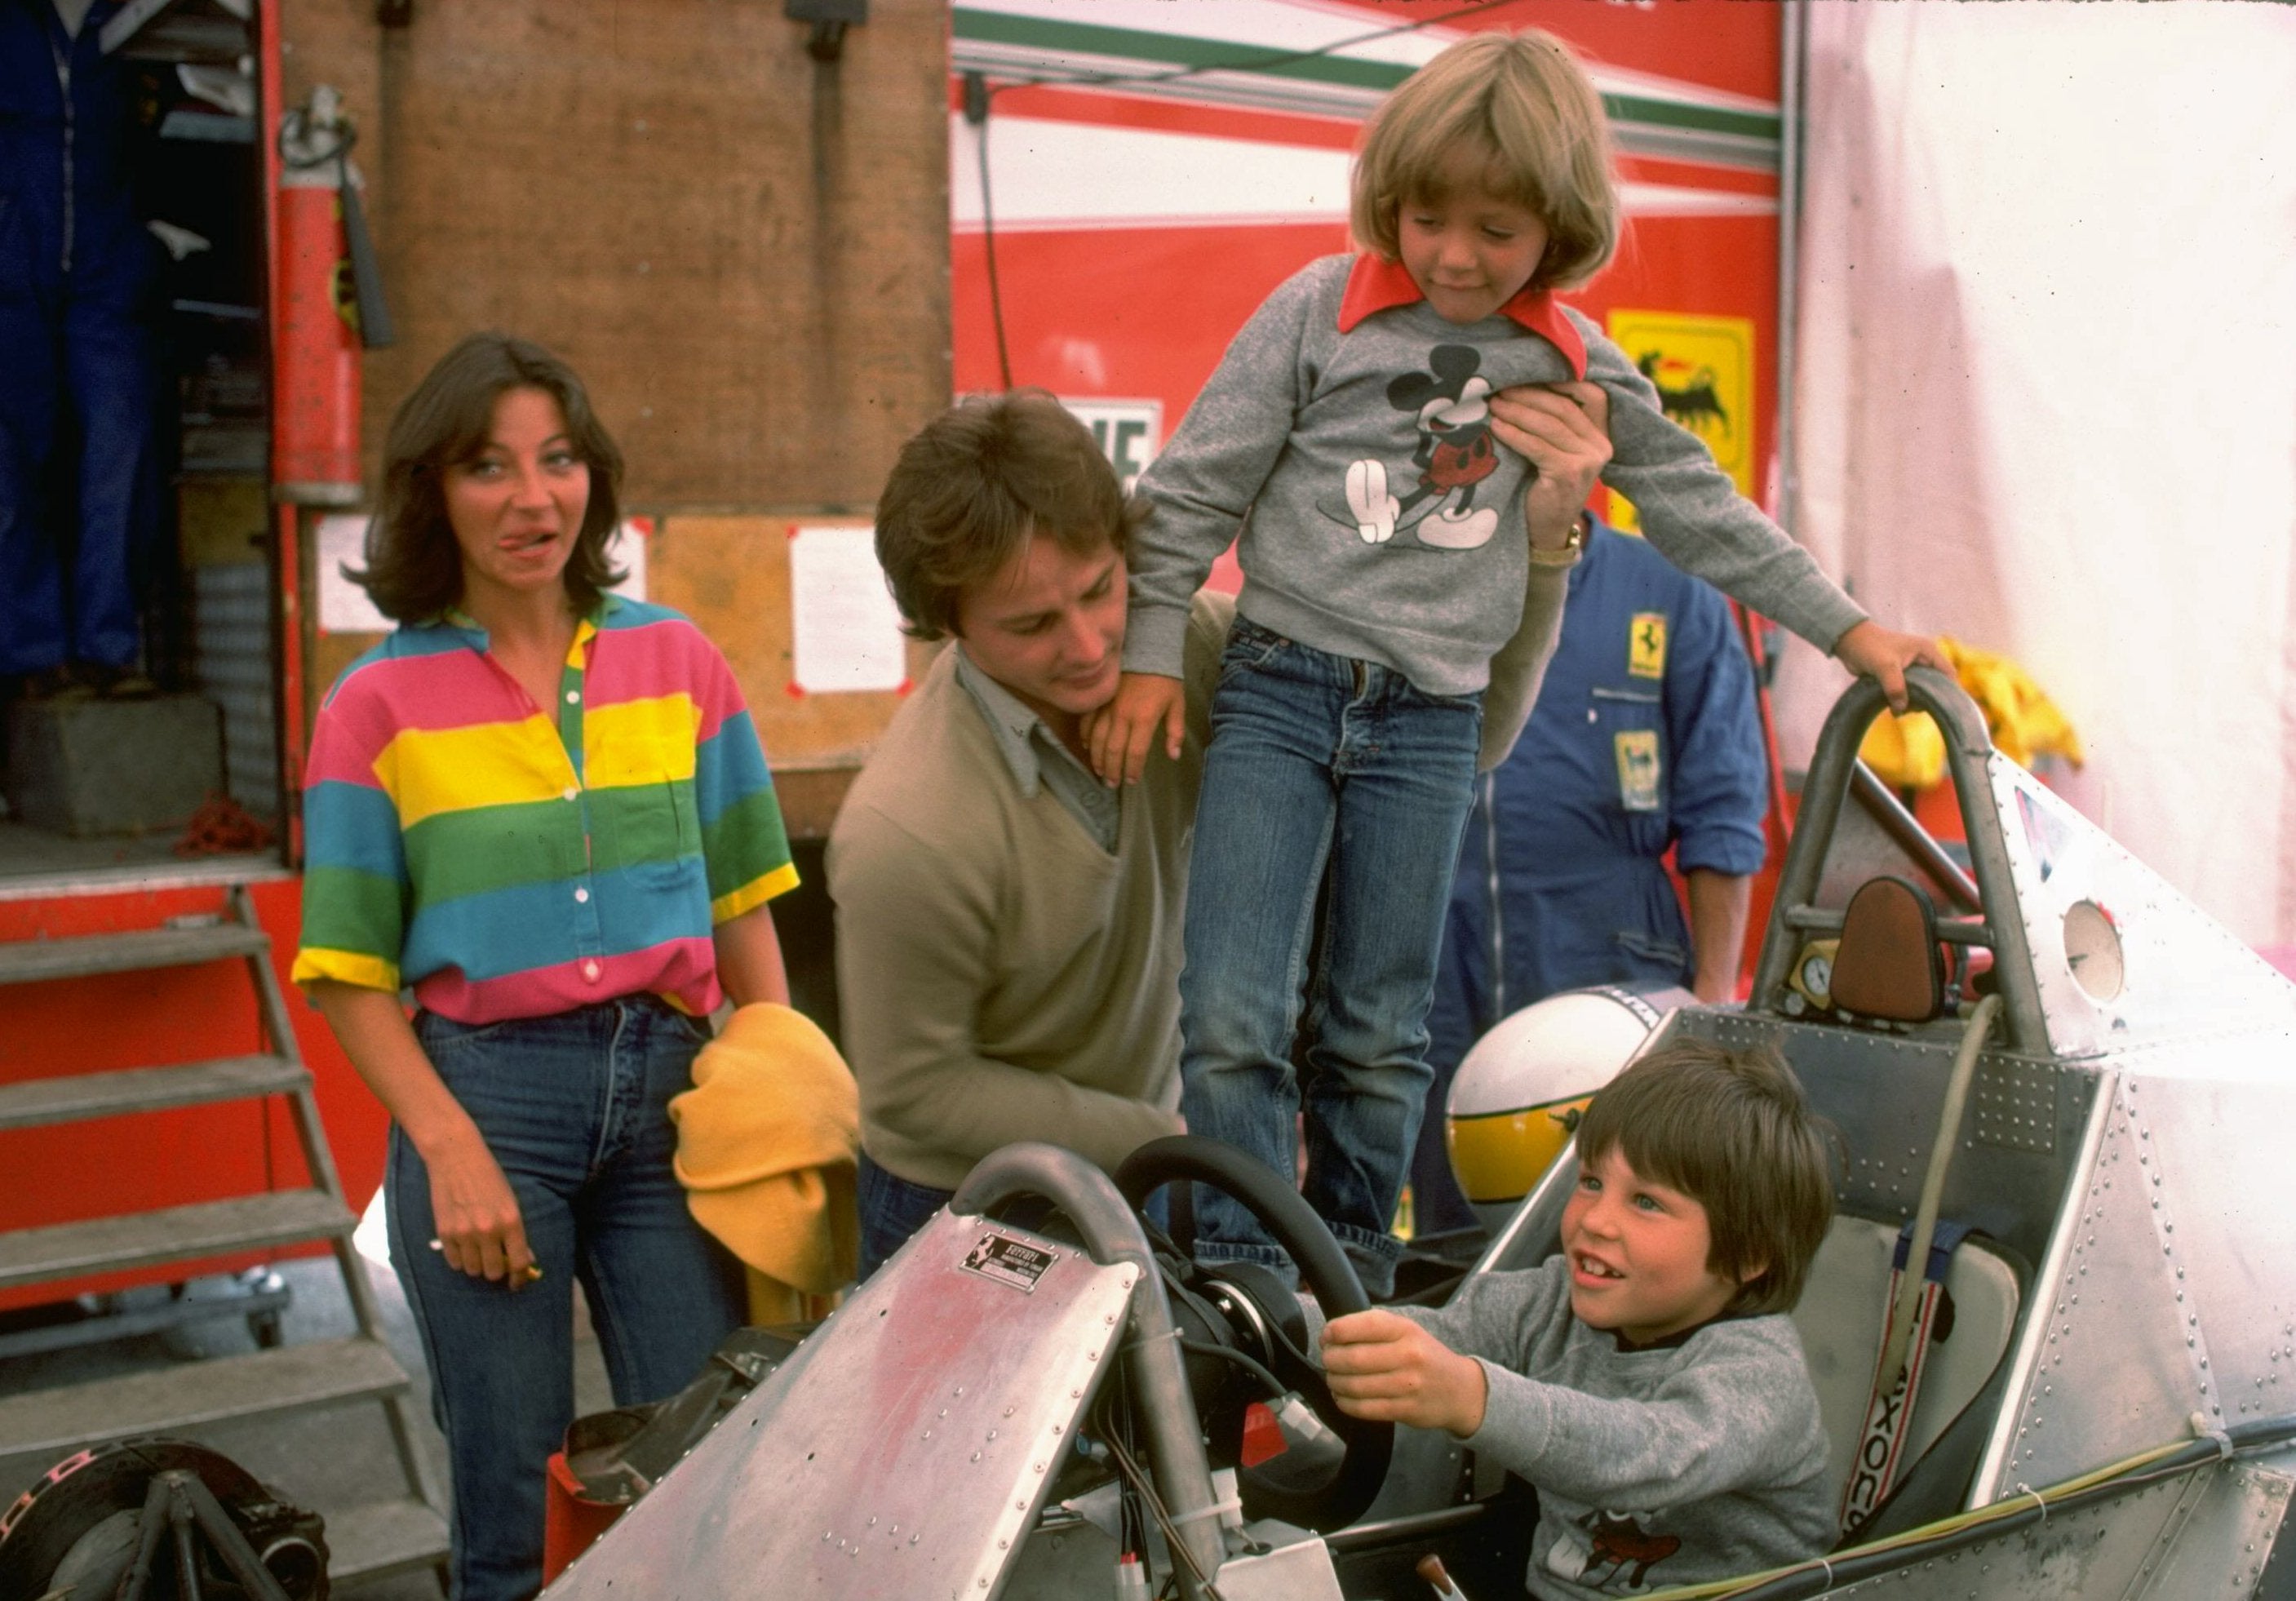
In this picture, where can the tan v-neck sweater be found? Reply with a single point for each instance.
(1000, 976)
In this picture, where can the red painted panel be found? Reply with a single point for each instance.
(1132, 313)
(1722, 43)
(1110, 109)
(73, 1171)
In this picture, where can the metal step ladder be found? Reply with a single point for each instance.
(400, 1532)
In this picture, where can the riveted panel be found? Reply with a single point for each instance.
(2120, 958)
(904, 1449)
(2117, 1366)
(2214, 1155)
(1884, 1092)
(2015, 1104)
(2096, 1551)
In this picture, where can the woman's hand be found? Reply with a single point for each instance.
(481, 1230)
(1884, 654)
(1384, 1368)
(1565, 431)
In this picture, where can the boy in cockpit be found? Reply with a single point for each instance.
(1646, 1380)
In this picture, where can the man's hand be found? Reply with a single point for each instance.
(1117, 734)
(1884, 654)
(1565, 431)
(1384, 1368)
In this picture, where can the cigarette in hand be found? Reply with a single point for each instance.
(530, 1274)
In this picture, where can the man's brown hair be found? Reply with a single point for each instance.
(1732, 1130)
(975, 485)
(1522, 102)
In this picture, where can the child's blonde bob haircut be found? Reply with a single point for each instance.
(1524, 101)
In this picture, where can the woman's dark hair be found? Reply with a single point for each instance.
(414, 567)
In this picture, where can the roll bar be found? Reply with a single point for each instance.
(1111, 1233)
(1832, 770)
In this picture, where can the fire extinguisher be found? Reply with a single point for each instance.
(330, 306)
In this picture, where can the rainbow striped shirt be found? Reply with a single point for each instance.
(459, 841)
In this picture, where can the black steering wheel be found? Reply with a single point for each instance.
(1324, 1268)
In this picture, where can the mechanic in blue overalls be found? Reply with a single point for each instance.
(1645, 737)
(78, 475)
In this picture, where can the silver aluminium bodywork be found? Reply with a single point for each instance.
(2126, 1139)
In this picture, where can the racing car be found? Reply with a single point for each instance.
(2053, 1329)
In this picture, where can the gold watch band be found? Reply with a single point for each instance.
(1566, 554)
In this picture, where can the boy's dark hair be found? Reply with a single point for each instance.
(976, 484)
(414, 567)
(1732, 1130)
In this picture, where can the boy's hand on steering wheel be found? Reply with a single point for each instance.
(1119, 735)
(1385, 1369)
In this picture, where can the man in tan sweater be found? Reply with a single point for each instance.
(1008, 928)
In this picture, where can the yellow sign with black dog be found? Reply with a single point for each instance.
(1704, 370)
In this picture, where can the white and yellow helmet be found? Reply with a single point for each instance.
(1521, 1091)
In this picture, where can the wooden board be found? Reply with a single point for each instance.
(732, 576)
(743, 251)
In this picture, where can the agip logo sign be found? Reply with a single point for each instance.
(1704, 370)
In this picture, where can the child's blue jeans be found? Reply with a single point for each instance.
(575, 1110)
(1332, 775)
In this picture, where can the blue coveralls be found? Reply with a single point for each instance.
(78, 475)
(1645, 736)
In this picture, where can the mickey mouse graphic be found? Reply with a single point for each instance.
(1451, 402)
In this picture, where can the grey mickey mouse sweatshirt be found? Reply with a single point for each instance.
(1380, 519)
(1671, 1465)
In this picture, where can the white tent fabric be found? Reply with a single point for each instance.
(2046, 393)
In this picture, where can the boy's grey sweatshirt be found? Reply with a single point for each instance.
(1305, 435)
(1673, 1464)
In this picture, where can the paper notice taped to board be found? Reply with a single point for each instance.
(344, 608)
(845, 634)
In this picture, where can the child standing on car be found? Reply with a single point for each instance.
(1369, 436)
(1646, 1381)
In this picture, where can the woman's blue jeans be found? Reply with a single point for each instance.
(575, 1108)
(1340, 777)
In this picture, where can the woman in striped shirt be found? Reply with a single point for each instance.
(544, 810)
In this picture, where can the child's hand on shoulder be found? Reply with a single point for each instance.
(1884, 654)
(1119, 735)
(1385, 1369)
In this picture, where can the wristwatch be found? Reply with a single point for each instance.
(1566, 554)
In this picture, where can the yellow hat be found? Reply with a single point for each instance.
(766, 1146)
